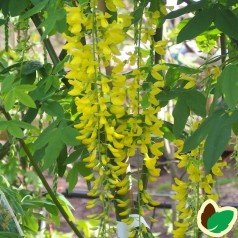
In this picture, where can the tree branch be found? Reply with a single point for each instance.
(50, 49)
(43, 180)
(223, 47)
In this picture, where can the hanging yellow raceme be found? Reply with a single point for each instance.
(192, 193)
(113, 123)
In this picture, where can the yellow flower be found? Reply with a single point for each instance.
(103, 45)
(216, 71)
(114, 34)
(207, 187)
(216, 169)
(118, 97)
(184, 160)
(181, 204)
(125, 19)
(159, 47)
(126, 212)
(110, 5)
(150, 162)
(185, 213)
(147, 34)
(194, 173)
(191, 81)
(152, 219)
(123, 203)
(155, 148)
(89, 177)
(213, 197)
(181, 229)
(103, 19)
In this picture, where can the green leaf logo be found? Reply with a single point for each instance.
(216, 221)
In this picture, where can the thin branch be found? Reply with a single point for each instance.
(223, 47)
(50, 49)
(36, 20)
(43, 180)
(158, 37)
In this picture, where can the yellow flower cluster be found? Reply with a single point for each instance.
(195, 190)
(113, 122)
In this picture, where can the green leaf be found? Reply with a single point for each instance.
(69, 136)
(220, 221)
(53, 149)
(184, 69)
(14, 130)
(2, 22)
(200, 134)
(198, 24)
(39, 154)
(167, 129)
(50, 22)
(60, 65)
(196, 102)
(37, 8)
(61, 24)
(50, 208)
(3, 125)
(83, 170)
(30, 115)
(31, 66)
(145, 103)
(137, 14)
(9, 100)
(7, 83)
(53, 108)
(16, 7)
(229, 85)
(81, 152)
(83, 2)
(235, 128)
(231, 2)
(28, 79)
(227, 22)
(189, 8)
(66, 205)
(51, 80)
(9, 235)
(24, 98)
(171, 77)
(4, 5)
(26, 87)
(170, 94)
(180, 113)
(216, 142)
(23, 124)
(45, 136)
(72, 177)
(30, 222)
(61, 161)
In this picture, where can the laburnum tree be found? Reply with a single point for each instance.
(119, 92)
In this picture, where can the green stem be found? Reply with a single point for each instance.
(7, 18)
(158, 37)
(43, 180)
(223, 47)
(196, 231)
